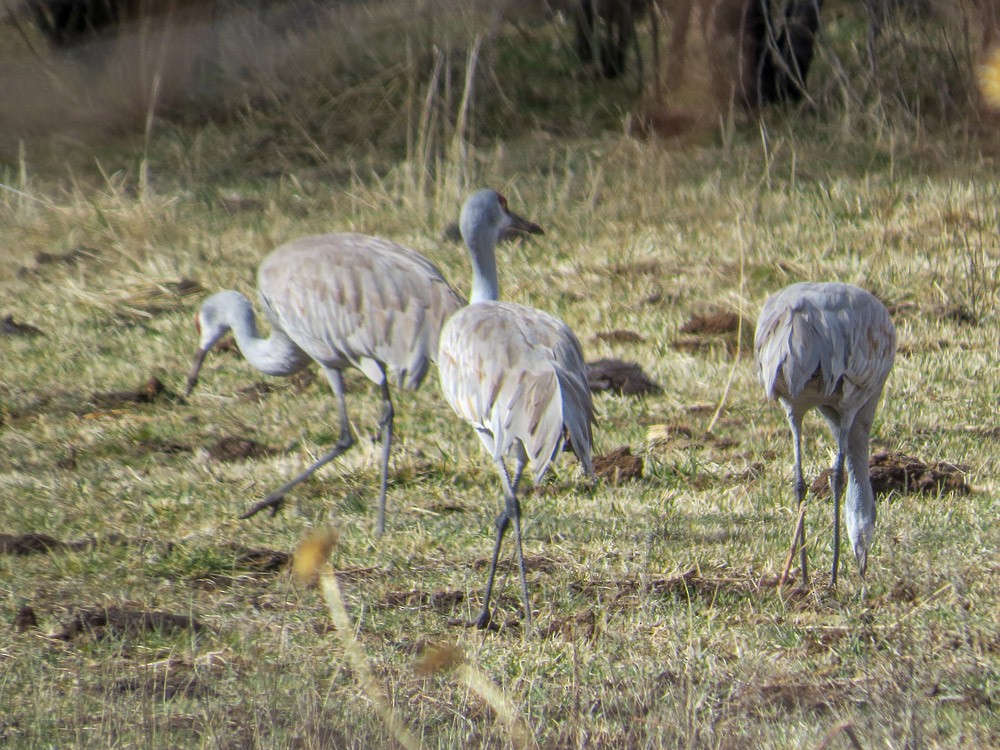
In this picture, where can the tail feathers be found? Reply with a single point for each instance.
(578, 416)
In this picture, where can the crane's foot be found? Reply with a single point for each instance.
(272, 502)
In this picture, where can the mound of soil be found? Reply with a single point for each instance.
(618, 466)
(620, 377)
(153, 390)
(10, 327)
(228, 449)
(118, 622)
(712, 324)
(704, 330)
(620, 336)
(892, 471)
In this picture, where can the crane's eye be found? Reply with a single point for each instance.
(503, 201)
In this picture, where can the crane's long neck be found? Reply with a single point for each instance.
(485, 286)
(275, 355)
(859, 501)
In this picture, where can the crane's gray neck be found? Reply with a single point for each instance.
(859, 500)
(275, 355)
(482, 247)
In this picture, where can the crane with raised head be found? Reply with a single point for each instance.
(340, 300)
(516, 374)
(829, 346)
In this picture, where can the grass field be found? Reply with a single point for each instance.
(657, 618)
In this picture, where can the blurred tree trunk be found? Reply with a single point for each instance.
(776, 51)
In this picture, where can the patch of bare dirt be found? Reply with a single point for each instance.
(579, 627)
(705, 330)
(68, 258)
(151, 391)
(25, 619)
(164, 686)
(623, 378)
(228, 449)
(121, 622)
(620, 336)
(956, 313)
(416, 599)
(793, 694)
(161, 445)
(637, 268)
(31, 543)
(896, 472)
(712, 324)
(618, 466)
(10, 327)
(249, 564)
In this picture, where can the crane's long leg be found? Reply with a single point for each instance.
(837, 487)
(275, 500)
(502, 522)
(385, 435)
(799, 487)
(511, 512)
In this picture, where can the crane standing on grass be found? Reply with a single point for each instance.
(829, 346)
(341, 300)
(514, 373)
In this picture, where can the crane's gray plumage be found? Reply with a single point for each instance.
(829, 346)
(515, 373)
(341, 300)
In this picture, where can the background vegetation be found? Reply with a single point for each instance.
(133, 186)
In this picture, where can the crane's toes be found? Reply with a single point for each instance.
(485, 622)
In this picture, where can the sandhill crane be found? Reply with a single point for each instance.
(829, 346)
(342, 300)
(516, 374)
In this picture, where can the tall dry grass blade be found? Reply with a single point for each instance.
(739, 334)
(311, 560)
(449, 657)
(459, 158)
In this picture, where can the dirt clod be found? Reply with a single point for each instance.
(228, 449)
(897, 472)
(118, 622)
(28, 544)
(705, 330)
(624, 378)
(580, 627)
(620, 336)
(10, 327)
(712, 324)
(618, 465)
(25, 619)
(152, 390)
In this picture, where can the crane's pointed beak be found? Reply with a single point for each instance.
(192, 379)
(520, 224)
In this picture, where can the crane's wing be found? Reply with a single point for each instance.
(359, 300)
(517, 373)
(836, 333)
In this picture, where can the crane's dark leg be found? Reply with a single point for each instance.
(514, 505)
(837, 488)
(385, 435)
(502, 522)
(510, 513)
(275, 500)
(799, 487)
